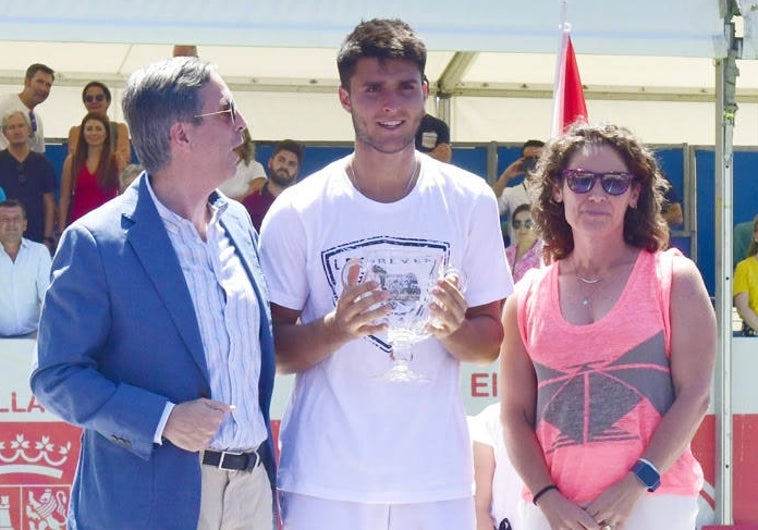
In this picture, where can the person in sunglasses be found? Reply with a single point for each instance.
(96, 97)
(609, 350)
(526, 251)
(155, 335)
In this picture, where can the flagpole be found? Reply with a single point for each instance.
(559, 84)
(568, 93)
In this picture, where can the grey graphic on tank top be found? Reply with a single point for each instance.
(608, 391)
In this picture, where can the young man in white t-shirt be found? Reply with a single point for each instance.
(358, 451)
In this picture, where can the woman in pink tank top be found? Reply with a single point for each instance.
(609, 350)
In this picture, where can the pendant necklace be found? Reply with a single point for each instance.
(593, 282)
(408, 186)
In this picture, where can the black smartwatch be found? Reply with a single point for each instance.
(647, 474)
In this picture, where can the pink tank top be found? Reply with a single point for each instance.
(603, 387)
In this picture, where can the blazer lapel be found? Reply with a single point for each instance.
(148, 238)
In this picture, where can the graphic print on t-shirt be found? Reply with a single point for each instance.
(585, 402)
(398, 264)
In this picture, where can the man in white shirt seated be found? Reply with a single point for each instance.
(24, 273)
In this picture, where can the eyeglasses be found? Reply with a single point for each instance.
(90, 98)
(582, 181)
(526, 223)
(232, 110)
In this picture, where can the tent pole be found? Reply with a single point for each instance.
(726, 108)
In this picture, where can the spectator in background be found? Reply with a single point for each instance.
(746, 287)
(433, 138)
(28, 177)
(250, 175)
(37, 84)
(90, 174)
(497, 486)
(510, 197)
(284, 168)
(24, 273)
(742, 236)
(671, 209)
(96, 97)
(2, 194)
(127, 176)
(526, 251)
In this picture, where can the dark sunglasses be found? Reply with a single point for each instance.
(232, 110)
(526, 223)
(582, 181)
(90, 98)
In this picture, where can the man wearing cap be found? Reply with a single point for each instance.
(433, 138)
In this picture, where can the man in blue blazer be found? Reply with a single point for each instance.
(155, 335)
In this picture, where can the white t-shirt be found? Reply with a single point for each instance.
(246, 173)
(347, 434)
(11, 102)
(507, 485)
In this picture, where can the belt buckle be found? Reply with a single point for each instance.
(223, 456)
(254, 458)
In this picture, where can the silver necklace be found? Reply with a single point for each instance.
(408, 186)
(586, 281)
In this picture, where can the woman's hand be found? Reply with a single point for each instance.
(562, 514)
(614, 506)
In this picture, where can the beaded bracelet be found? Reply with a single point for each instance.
(541, 492)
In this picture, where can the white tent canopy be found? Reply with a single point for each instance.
(495, 59)
(688, 28)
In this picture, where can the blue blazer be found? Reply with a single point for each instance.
(118, 338)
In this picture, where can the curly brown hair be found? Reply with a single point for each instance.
(644, 227)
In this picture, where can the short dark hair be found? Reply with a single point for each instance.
(381, 39)
(522, 208)
(753, 248)
(101, 86)
(292, 146)
(39, 67)
(13, 203)
(531, 143)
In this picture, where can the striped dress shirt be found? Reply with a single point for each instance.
(229, 319)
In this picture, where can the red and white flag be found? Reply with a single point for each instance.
(568, 95)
